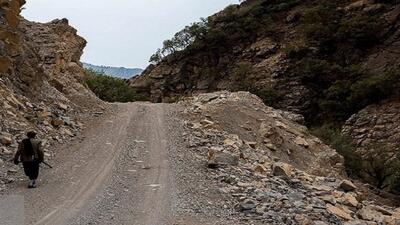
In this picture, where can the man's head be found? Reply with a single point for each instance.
(31, 134)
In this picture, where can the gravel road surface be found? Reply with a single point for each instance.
(130, 167)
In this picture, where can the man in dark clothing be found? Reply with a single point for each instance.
(31, 155)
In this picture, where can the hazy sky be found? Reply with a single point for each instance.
(123, 32)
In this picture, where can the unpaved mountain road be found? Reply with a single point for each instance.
(119, 172)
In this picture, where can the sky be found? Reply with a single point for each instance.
(123, 32)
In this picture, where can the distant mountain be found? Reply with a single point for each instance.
(120, 72)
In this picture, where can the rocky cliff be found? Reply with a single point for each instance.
(41, 81)
(375, 131)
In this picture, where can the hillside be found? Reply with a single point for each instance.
(334, 62)
(323, 59)
(120, 72)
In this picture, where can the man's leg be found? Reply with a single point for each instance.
(28, 172)
(35, 173)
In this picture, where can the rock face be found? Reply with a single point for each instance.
(297, 181)
(376, 124)
(376, 132)
(41, 82)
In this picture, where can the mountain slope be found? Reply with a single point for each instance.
(330, 61)
(120, 72)
(323, 59)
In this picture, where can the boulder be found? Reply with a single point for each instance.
(5, 151)
(247, 204)
(396, 213)
(347, 185)
(260, 169)
(271, 147)
(282, 169)
(217, 158)
(233, 141)
(349, 200)
(338, 212)
(302, 220)
(301, 142)
(252, 145)
(67, 132)
(370, 214)
(57, 122)
(207, 123)
(5, 139)
(62, 106)
(382, 210)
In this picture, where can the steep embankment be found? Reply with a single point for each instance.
(42, 84)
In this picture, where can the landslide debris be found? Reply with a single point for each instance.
(270, 168)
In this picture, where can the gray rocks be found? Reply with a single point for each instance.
(217, 158)
(247, 204)
(268, 184)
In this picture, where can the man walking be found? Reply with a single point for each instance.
(31, 155)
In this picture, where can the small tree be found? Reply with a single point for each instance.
(156, 57)
(181, 40)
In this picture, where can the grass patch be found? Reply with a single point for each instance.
(112, 89)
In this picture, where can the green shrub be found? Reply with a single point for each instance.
(328, 28)
(327, 62)
(372, 89)
(360, 30)
(111, 89)
(381, 167)
(394, 180)
(269, 95)
(242, 71)
(319, 25)
(348, 95)
(378, 165)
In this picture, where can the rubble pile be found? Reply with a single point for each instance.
(284, 176)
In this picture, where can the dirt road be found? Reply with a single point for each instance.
(117, 174)
(132, 167)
